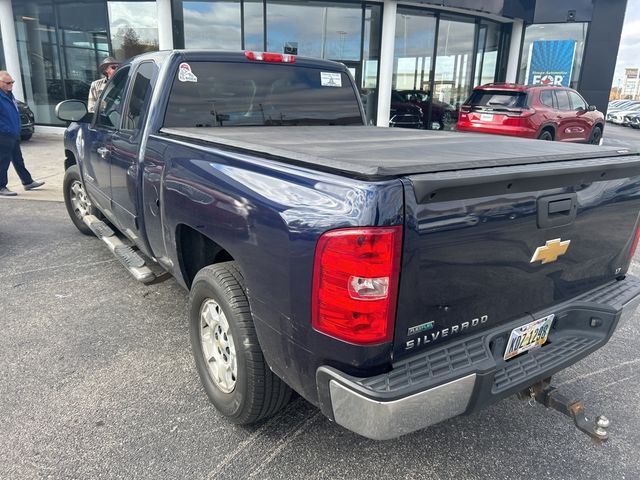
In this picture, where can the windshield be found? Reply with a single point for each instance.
(222, 94)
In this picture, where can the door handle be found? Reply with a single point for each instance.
(102, 151)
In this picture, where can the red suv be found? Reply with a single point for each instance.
(531, 111)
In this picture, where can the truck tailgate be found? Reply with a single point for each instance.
(471, 237)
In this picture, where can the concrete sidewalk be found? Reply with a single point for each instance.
(44, 158)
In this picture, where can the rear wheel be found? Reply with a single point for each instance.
(225, 346)
(596, 135)
(76, 199)
(545, 135)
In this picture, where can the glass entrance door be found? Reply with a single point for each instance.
(412, 68)
(454, 66)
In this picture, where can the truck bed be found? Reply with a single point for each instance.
(377, 153)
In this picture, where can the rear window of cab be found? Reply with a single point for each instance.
(222, 94)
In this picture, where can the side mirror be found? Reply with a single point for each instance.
(592, 108)
(71, 110)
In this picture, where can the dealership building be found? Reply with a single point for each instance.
(436, 49)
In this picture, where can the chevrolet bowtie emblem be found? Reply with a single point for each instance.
(551, 251)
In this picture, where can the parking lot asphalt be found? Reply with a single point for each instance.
(97, 381)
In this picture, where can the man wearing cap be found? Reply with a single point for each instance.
(107, 68)
(10, 139)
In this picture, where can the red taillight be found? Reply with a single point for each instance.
(524, 113)
(355, 284)
(270, 57)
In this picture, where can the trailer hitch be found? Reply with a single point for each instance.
(548, 396)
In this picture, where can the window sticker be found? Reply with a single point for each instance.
(330, 79)
(185, 74)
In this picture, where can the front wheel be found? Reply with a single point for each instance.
(596, 135)
(445, 120)
(225, 346)
(76, 199)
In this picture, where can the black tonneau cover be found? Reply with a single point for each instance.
(374, 153)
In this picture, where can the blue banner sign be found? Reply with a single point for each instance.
(551, 62)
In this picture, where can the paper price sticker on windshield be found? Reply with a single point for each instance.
(185, 74)
(330, 79)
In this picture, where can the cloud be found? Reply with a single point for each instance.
(629, 41)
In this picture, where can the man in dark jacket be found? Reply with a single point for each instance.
(10, 139)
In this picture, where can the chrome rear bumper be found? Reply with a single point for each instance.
(468, 374)
(380, 420)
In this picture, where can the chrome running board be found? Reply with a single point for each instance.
(129, 258)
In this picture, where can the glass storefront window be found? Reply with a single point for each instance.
(2, 64)
(83, 44)
(315, 29)
(134, 28)
(549, 32)
(370, 61)
(60, 47)
(253, 11)
(212, 24)
(414, 42)
(453, 81)
(40, 60)
(487, 56)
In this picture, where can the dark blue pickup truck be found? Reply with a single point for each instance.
(394, 278)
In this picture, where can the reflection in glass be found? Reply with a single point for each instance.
(253, 25)
(2, 64)
(134, 28)
(560, 31)
(84, 43)
(454, 58)
(60, 47)
(415, 37)
(370, 61)
(315, 29)
(487, 56)
(212, 24)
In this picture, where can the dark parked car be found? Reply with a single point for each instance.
(26, 120)
(531, 111)
(442, 113)
(405, 115)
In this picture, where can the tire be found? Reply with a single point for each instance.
(225, 346)
(76, 199)
(445, 119)
(596, 135)
(26, 137)
(545, 135)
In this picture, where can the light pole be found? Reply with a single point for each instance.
(342, 35)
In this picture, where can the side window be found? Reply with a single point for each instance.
(546, 98)
(563, 100)
(577, 101)
(139, 98)
(110, 108)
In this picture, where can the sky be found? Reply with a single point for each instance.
(628, 53)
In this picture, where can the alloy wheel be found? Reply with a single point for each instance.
(218, 347)
(79, 200)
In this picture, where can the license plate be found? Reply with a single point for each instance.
(486, 117)
(529, 336)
